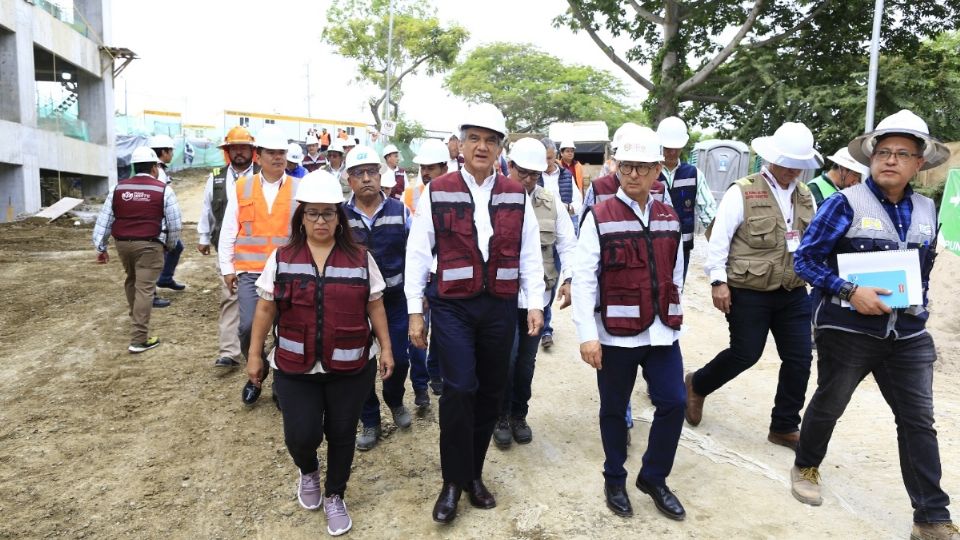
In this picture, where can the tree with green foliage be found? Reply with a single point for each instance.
(686, 43)
(535, 89)
(358, 29)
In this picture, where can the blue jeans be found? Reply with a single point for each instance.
(662, 368)
(785, 314)
(170, 261)
(395, 305)
(516, 395)
(903, 370)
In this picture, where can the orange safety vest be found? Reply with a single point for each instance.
(411, 196)
(261, 230)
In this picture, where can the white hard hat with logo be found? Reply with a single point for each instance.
(907, 123)
(362, 155)
(485, 115)
(790, 146)
(618, 134)
(530, 154)
(432, 151)
(673, 132)
(390, 149)
(640, 144)
(295, 153)
(312, 139)
(144, 154)
(843, 158)
(160, 141)
(568, 143)
(272, 138)
(319, 186)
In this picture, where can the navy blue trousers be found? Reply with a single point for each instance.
(395, 305)
(662, 368)
(170, 261)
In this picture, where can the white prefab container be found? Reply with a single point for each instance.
(722, 162)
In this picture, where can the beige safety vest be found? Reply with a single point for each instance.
(546, 211)
(759, 259)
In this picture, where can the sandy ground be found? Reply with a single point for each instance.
(97, 443)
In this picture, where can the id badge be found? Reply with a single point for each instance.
(793, 240)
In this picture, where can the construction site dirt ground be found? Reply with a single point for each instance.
(99, 443)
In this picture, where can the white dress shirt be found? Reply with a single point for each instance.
(566, 244)
(586, 290)
(230, 226)
(730, 217)
(552, 183)
(207, 219)
(420, 259)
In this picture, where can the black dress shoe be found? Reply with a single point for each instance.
(172, 284)
(225, 362)
(160, 302)
(666, 502)
(617, 499)
(445, 509)
(480, 496)
(250, 393)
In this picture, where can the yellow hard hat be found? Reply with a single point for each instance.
(238, 135)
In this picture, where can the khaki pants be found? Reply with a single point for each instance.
(143, 261)
(229, 321)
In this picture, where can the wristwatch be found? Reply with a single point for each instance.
(847, 290)
(717, 283)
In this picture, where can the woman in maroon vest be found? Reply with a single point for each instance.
(318, 292)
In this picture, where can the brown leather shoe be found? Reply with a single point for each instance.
(445, 509)
(694, 410)
(790, 440)
(480, 496)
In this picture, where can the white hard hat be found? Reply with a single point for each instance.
(843, 158)
(530, 154)
(485, 115)
(452, 135)
(272, 138)
(567, 143)
(336, 146)
(319, 186)
(160, 141)
(295, 153)
(390, 149)
(388, 180)
(362, 155)
(312, 139)
(640, 144)
(907, 123)
(790, 146)
(432, 151)
(673, 132)
(144, 154)
(618, 134)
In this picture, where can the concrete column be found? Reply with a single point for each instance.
(9, 96)
(20, 188)
(25, 83)
(96, 94)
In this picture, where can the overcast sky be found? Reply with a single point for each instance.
(200, 57)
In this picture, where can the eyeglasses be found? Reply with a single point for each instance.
(313, 215)
(524, 173)
(640, 168)
(901, 155)
(369, 172)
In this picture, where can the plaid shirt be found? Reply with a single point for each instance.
(170, 228)
(830, 224)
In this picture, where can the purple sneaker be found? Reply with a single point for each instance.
(308, 490)
(338, 520)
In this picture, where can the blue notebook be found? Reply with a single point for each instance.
(892, 280)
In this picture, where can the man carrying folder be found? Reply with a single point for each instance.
(881, 214)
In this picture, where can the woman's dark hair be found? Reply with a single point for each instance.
(341, 234)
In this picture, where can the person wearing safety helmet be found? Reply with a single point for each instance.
(142, 215)
(294, 160)
(844, 172)
(391, 156)
(875, 337)
(335, 154)
(163, 145)
(688, 188)
(455, 158)
(610, 165)
(628, 262)
(485, 235)
(238, 147)
(752, 241)
(528, 160)
(559, 181)
(256, 221)
(324, 140)
(313, 159)
(567, 160)
(322, 296)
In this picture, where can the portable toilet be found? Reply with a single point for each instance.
(722, 162)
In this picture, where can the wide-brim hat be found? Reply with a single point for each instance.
(843, 158)
(790, 146)
(904, 122)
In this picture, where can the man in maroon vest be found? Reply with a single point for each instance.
(627, 275)
(485, 235)
(135, 213)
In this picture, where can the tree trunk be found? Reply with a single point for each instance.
(667, 99)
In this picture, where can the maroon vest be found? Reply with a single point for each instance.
(138, 208)
(606, 187)
(636, 267)
(461, 270)
(322, 319)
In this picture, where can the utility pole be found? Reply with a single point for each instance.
(874, 66)
(309, 115)
(386, 102)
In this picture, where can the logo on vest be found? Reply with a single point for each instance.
(756, 195)
(136, 196)
(871, 224)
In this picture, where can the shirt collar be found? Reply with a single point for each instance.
(907, 191)
(352, 203)
(772, 181)
(469, 179)
(634, 204)
(249, 169)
